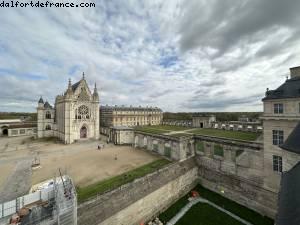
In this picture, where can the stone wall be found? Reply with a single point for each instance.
(238, 172)
(141, 199)
(242, 191)
(174, 148)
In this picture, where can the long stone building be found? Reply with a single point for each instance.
(75, 114)
(111, 116)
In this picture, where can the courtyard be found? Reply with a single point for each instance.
(82, 161)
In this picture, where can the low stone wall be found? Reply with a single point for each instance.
(141, 199)
(243, 191)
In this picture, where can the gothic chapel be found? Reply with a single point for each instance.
(75, 115)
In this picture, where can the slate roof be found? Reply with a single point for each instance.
(41, 100)
(22, 125)
(289, 89)
(289, 198)
(74, 86)
(292, 143)
(47, 105)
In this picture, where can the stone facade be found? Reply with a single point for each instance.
(236, 169)
(17, 127)
(174, 148)
(121, 135)
(75, 115)
(281, 115)
(183, 123)
(29, 129)
(203, 121)
(111, 116)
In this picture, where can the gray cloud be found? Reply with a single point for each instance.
(220, 50)
(220, 103)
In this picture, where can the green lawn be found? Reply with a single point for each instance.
(169, 127)
(173, 209)
(85, 193)
(160, 129)
(246, 136)
(151, 130)
(239, 210)
(204, 214)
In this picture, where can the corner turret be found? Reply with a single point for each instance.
(69, 91)
(41, 102)
(95, 94)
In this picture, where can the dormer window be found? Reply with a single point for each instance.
(278, 108)
(48, 115)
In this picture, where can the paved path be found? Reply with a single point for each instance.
(180, 131)
(18, 183)
(177, 217)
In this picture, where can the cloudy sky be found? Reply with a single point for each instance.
(192, 55)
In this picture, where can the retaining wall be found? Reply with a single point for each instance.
(141, 199)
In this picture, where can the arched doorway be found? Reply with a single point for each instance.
(83, 132)
(145, 142)
(136, 141)
(4, 131)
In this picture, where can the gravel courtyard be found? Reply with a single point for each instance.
(82, 161)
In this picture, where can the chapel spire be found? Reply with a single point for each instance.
(95, 94)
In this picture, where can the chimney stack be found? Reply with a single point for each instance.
(295, 72)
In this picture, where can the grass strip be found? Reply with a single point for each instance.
(84, 193)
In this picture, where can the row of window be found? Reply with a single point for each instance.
(22, 131)
(137, 112)
(135, 123)
(279, 109)
(219, 151)
(136, 118)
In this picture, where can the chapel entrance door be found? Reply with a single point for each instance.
(83, 132)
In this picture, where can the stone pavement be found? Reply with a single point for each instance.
(18, 183)
(181, 213)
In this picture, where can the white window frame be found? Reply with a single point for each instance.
(277, 109)
(277, 163)
(277, 137)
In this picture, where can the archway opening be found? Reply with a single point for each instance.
(136, 141)
(83, 132)
(5, 131)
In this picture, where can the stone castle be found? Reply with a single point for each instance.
(253, 174)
